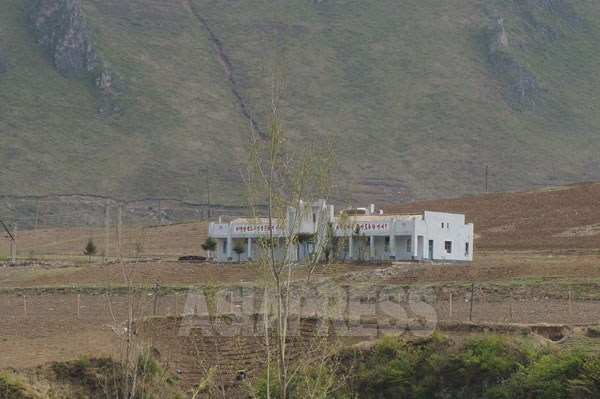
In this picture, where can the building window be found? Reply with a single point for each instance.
(225, 247)
(442, 225)
(314, 218)
(408, 245)
(448, 246)
(448, 225)
(387, 244)
(467, 249)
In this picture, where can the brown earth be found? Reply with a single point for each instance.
(486, 267)
(550, 220)
(147, 273)
(543, 247)
(555, 218)
(540, 285)
(51, 330)
(154, 241)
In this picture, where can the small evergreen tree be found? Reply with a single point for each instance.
(239, 249)
(90, 249)
(209, 245)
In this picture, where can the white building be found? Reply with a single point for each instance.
(436, 236)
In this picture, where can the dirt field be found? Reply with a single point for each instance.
(540, 284)
(154, 241)
(556, 218)
(169, 273)
(52, 332)
(542, 247)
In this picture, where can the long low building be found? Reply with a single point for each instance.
(357, 234)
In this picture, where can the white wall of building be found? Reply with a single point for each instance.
(450, 236)
(395, 237)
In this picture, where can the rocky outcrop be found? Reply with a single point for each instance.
(61, 27)
(109, 109)
(105, 78)
(497, 38)
(520, 80)
(2, 67)
(562, 8)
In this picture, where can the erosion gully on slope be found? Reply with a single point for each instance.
(224, 60)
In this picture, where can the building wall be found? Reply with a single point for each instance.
(401, 252)
(385, 238)
(447, 227)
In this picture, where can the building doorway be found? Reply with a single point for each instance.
(430, 257)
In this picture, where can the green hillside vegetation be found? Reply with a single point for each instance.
(487, 366)
(406, 87)
(491, 367)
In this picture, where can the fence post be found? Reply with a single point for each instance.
(570, 304)
(156, 295)
(451, 305)
(176, 305)
(106, 230)
(511, 306)
(78, 304)
(472, 293)
(25, 305)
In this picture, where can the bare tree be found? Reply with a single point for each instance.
(283, 173)
(135, 374)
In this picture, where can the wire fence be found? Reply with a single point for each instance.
(55, 310)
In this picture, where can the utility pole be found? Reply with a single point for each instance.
(208, 192)
(159, 213)
(13, 243)
(45, 208)
(119, 214)
(106, 229)
(13, 247)
(486, 179)
(37, 211)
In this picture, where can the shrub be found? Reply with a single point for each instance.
(491, 367)
(11, 387)
(103, 377)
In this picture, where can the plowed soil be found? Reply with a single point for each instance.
(552, 219)
(542, 246)
(557, 218)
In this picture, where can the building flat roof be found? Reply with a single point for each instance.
(366, 218)
(353, 218)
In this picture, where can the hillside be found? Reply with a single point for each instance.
(420, 96)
